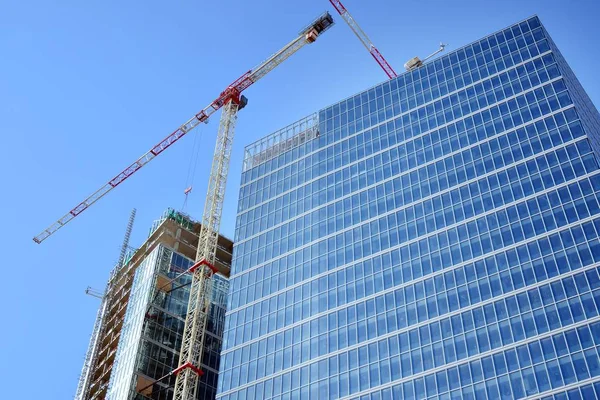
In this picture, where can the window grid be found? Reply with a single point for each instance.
(405, 224)
(396, 131)
(547, 267)
(455, 137)
(439, 238)
(481, 70)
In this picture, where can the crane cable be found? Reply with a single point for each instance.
(193, 163)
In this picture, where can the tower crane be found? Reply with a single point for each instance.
(231, 100)
(364, 39)
(192, 345)
(231, 95)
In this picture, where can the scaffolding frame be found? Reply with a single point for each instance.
(99, 324)
(174, 230)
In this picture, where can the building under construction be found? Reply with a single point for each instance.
(137, 334)
(122, 345)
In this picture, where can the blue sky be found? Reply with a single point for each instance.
(88, 86)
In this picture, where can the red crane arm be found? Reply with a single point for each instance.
(233, 91)
(364, 39)
(164, 144)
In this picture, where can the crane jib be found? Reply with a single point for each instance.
(79, 209)
(168, 141)
(339, 7)
(362, 36)
(125, 174)
(231, 93)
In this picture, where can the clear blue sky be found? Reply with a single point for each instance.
(88, 86)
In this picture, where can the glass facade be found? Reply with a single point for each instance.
(153, 326)
(436, 236)
(122, 377)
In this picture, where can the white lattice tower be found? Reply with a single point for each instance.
(99, 325)
(192, 347)
(84, 379)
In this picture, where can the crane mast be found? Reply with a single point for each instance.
(364, 39)
(192, 349)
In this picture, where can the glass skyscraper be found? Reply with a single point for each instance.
(435, 236)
